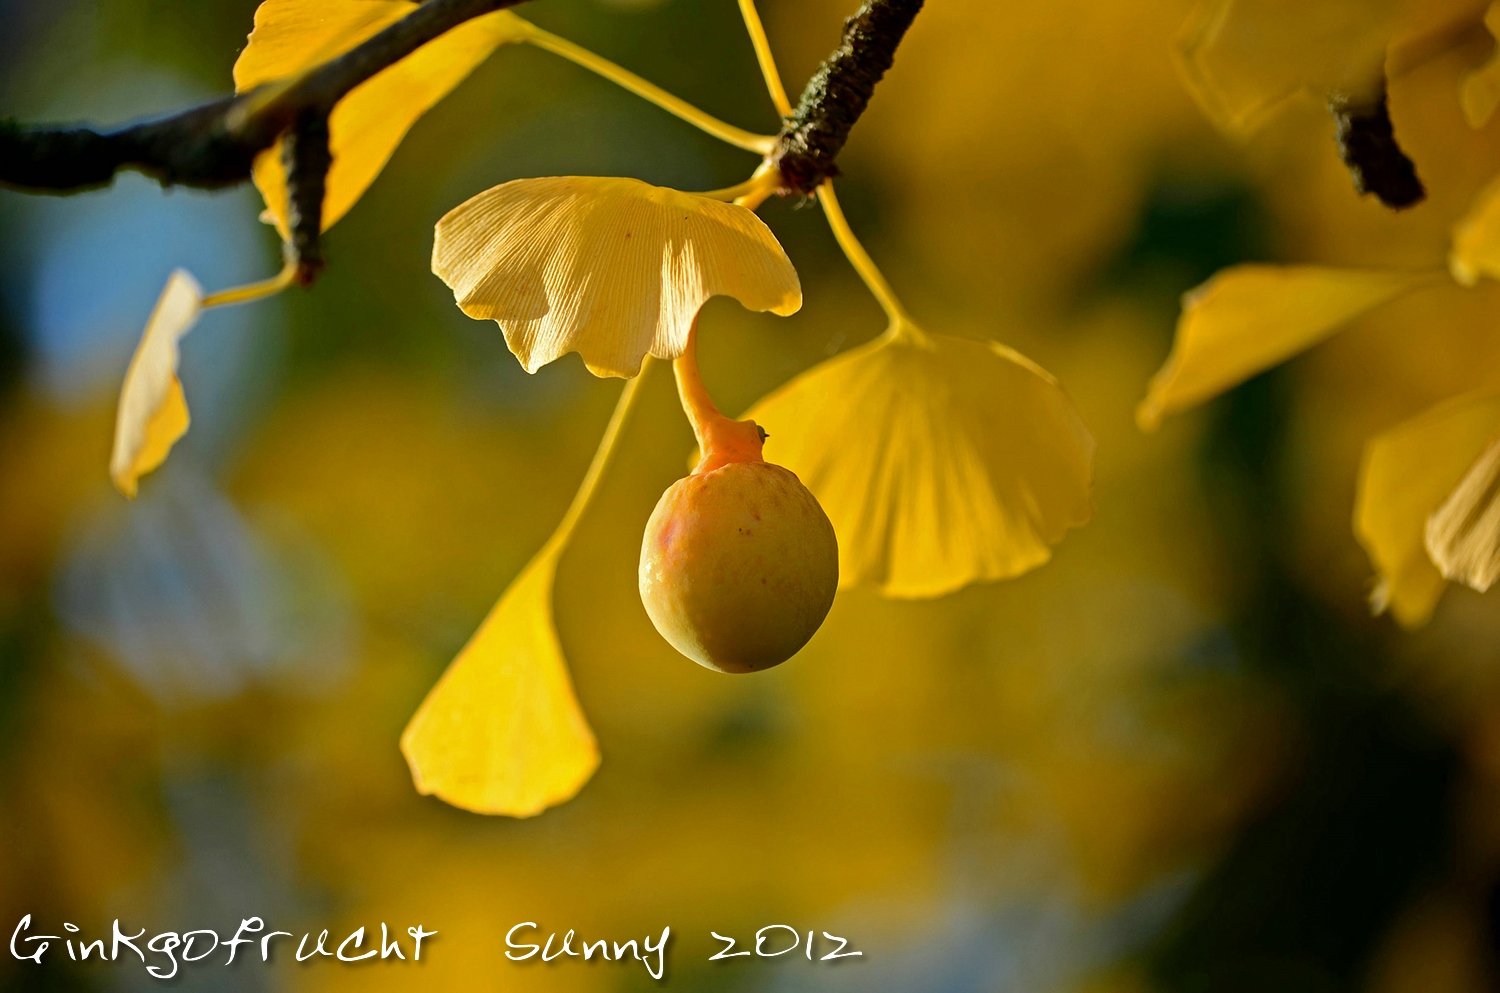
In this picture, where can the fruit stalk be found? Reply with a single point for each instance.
(721, 440)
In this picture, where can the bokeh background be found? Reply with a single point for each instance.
(1180, 757)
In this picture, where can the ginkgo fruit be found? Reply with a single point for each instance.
(739, 563)
(738, 566)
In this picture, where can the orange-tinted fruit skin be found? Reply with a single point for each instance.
(738, 566)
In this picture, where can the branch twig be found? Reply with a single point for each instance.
(213, 145)
(1367, 144)
(839, 91)
(306, 156)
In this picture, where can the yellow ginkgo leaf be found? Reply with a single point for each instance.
(292, 36)
(153, 413)
(1243, 58)
(502, 732)
(1406, 474)
(1248, 318)
(1480, 92)
(1476, 239)
(614, 269)
(1463, 535)
(940, 461)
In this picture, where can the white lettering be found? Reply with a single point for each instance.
(512, 944)
(167, 947)
(121, 938)
(418, 934)
(838, 953)
(265, 944)
(318, 949)
(25, 925)
(358, 938)
(393, 946)
(235, 942)
(661, 954)
(760, 939)
(187, 945)
(725, 953)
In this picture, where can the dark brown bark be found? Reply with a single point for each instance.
(306, 158)
(1367, 144)
(839, 92)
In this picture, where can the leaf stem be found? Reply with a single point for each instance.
(602, 456)
(763, 56)
(860, 259)
(765, 180)
(721, 439)
(760, 144)
(254, 291)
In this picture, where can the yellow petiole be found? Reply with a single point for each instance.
(254, 291)
(602, 456)
(763, 56)
(752, 192)
(861, 261)
(758, 143)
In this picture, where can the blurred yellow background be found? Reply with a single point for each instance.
(1179, 757)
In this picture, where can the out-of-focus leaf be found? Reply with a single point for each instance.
(1480, 92)
(1406, 475)
(1241, 59)
(1248, 318)
(941, 461)
(153, 412)
(613, 269)
(1476, 239)
(1463, 535)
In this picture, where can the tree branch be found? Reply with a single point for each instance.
(1367, 144)
(306, 158)
(214, 144)
(839, 92)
